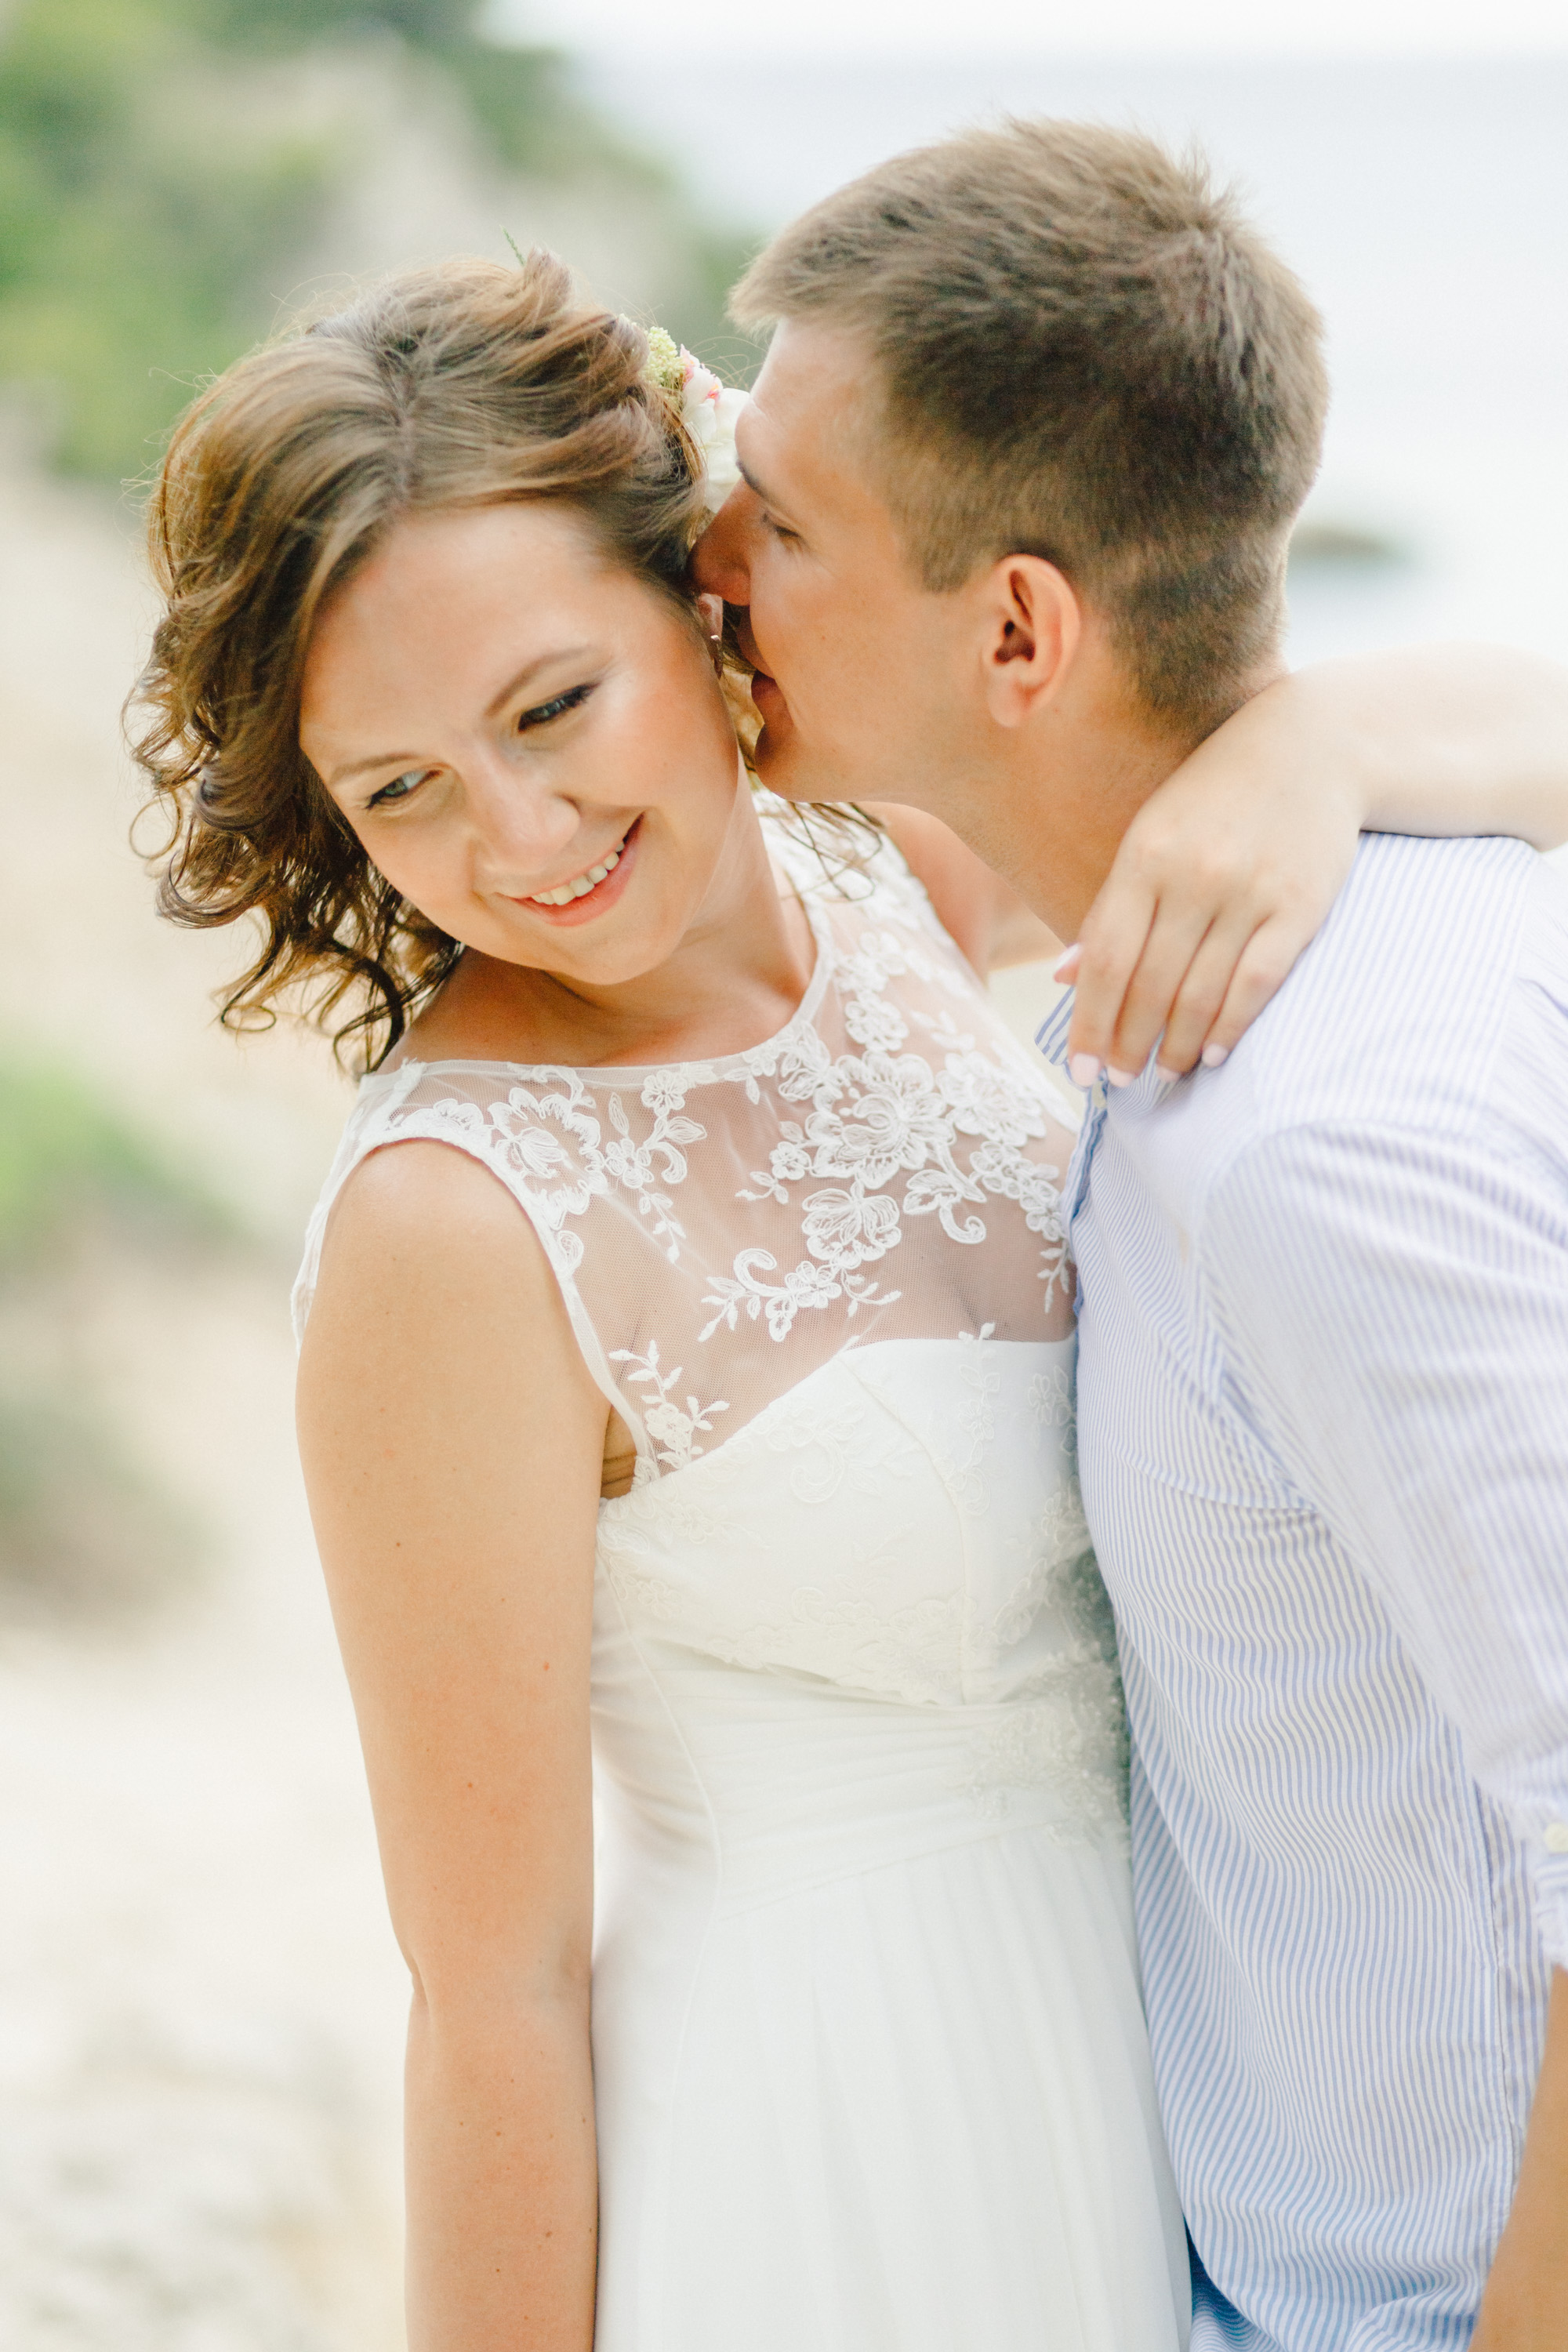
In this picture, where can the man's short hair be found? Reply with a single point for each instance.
(1085, 353)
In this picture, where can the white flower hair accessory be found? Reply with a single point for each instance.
(707, 411)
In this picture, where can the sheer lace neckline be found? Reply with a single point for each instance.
(704, 1070)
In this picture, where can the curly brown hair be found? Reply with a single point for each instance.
(467, 384)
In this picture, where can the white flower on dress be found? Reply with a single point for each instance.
(532, 1152)
(790, 1161)
(941, 1189)
(632, 1164)
(805, 1287)
(878, 1026)
(806, 1072)
(1050, 1398)
(787, 1163)
(985, 1101)
(846, 1229)
(664, 1091)
(524, 1122)
(894, 1117)
(673, 1431)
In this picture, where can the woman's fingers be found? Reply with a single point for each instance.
(1109, 951)
(1263, 966)
(1194, 991)
(1171, 992)
(1178, 988)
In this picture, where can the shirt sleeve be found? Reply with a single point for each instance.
(1394, 1310)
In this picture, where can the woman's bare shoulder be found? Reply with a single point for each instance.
(424, 1220)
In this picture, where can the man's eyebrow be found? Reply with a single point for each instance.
(753, 484)
(497, 703)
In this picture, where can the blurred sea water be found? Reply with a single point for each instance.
(1425, 204)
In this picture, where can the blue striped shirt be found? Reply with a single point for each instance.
(1323, 1414)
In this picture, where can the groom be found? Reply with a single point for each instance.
(1019, 475)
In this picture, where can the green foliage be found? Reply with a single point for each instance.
(66, 1162)
(254, 24)
(139, 213)
(83, 1534)
(81, 1531)
(151, 198)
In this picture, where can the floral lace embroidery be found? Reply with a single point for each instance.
(524, 1122)
(876, 1114)
(1073, 1737)
(866, 1140)
(671, 1429)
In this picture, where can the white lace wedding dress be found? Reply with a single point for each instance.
(869, 2060)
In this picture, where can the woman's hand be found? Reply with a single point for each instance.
(1228, 871)
(1222, 878)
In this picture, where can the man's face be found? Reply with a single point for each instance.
(861, 670)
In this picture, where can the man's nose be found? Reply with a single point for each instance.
(720, 565)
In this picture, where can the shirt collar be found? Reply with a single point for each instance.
(1051, 1037)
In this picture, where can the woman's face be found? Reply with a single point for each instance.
(531, 744)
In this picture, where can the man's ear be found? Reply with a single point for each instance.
(1032, 623)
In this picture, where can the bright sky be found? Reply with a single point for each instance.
(893, 28)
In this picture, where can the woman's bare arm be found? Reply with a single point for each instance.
(1230, 868)
(452, 1443)
(1525, 2307)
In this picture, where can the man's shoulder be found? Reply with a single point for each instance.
(1406, 983)
(1395, 1016)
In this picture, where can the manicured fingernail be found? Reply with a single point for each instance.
(1119, 1077)
(1083, 1069)
(1166, 1078)
(1066, 965)
(1213, 1055)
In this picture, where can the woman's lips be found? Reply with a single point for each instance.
(596, 901)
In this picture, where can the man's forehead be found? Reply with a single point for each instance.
(810, 399)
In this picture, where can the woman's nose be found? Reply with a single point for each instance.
(720, 566)
(521, 826)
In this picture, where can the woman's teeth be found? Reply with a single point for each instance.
(565, 891)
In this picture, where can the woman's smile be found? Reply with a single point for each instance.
(593, 891)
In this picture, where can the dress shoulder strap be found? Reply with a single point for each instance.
(472, 1107)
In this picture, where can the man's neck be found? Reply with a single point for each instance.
(1056, 815)
(1053, 821)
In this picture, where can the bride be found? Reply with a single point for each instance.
(686, 1401)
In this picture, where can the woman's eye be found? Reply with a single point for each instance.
(399, 788)
(780, 531)
(543, 712)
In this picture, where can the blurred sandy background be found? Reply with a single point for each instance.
(200, 2002)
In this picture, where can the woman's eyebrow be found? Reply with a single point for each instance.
(364, 767)
(529, 669)
(497, 703)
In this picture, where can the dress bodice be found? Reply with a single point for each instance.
(825, 1284)
(885, 1167)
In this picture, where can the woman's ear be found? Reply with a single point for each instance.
(1032, 623)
